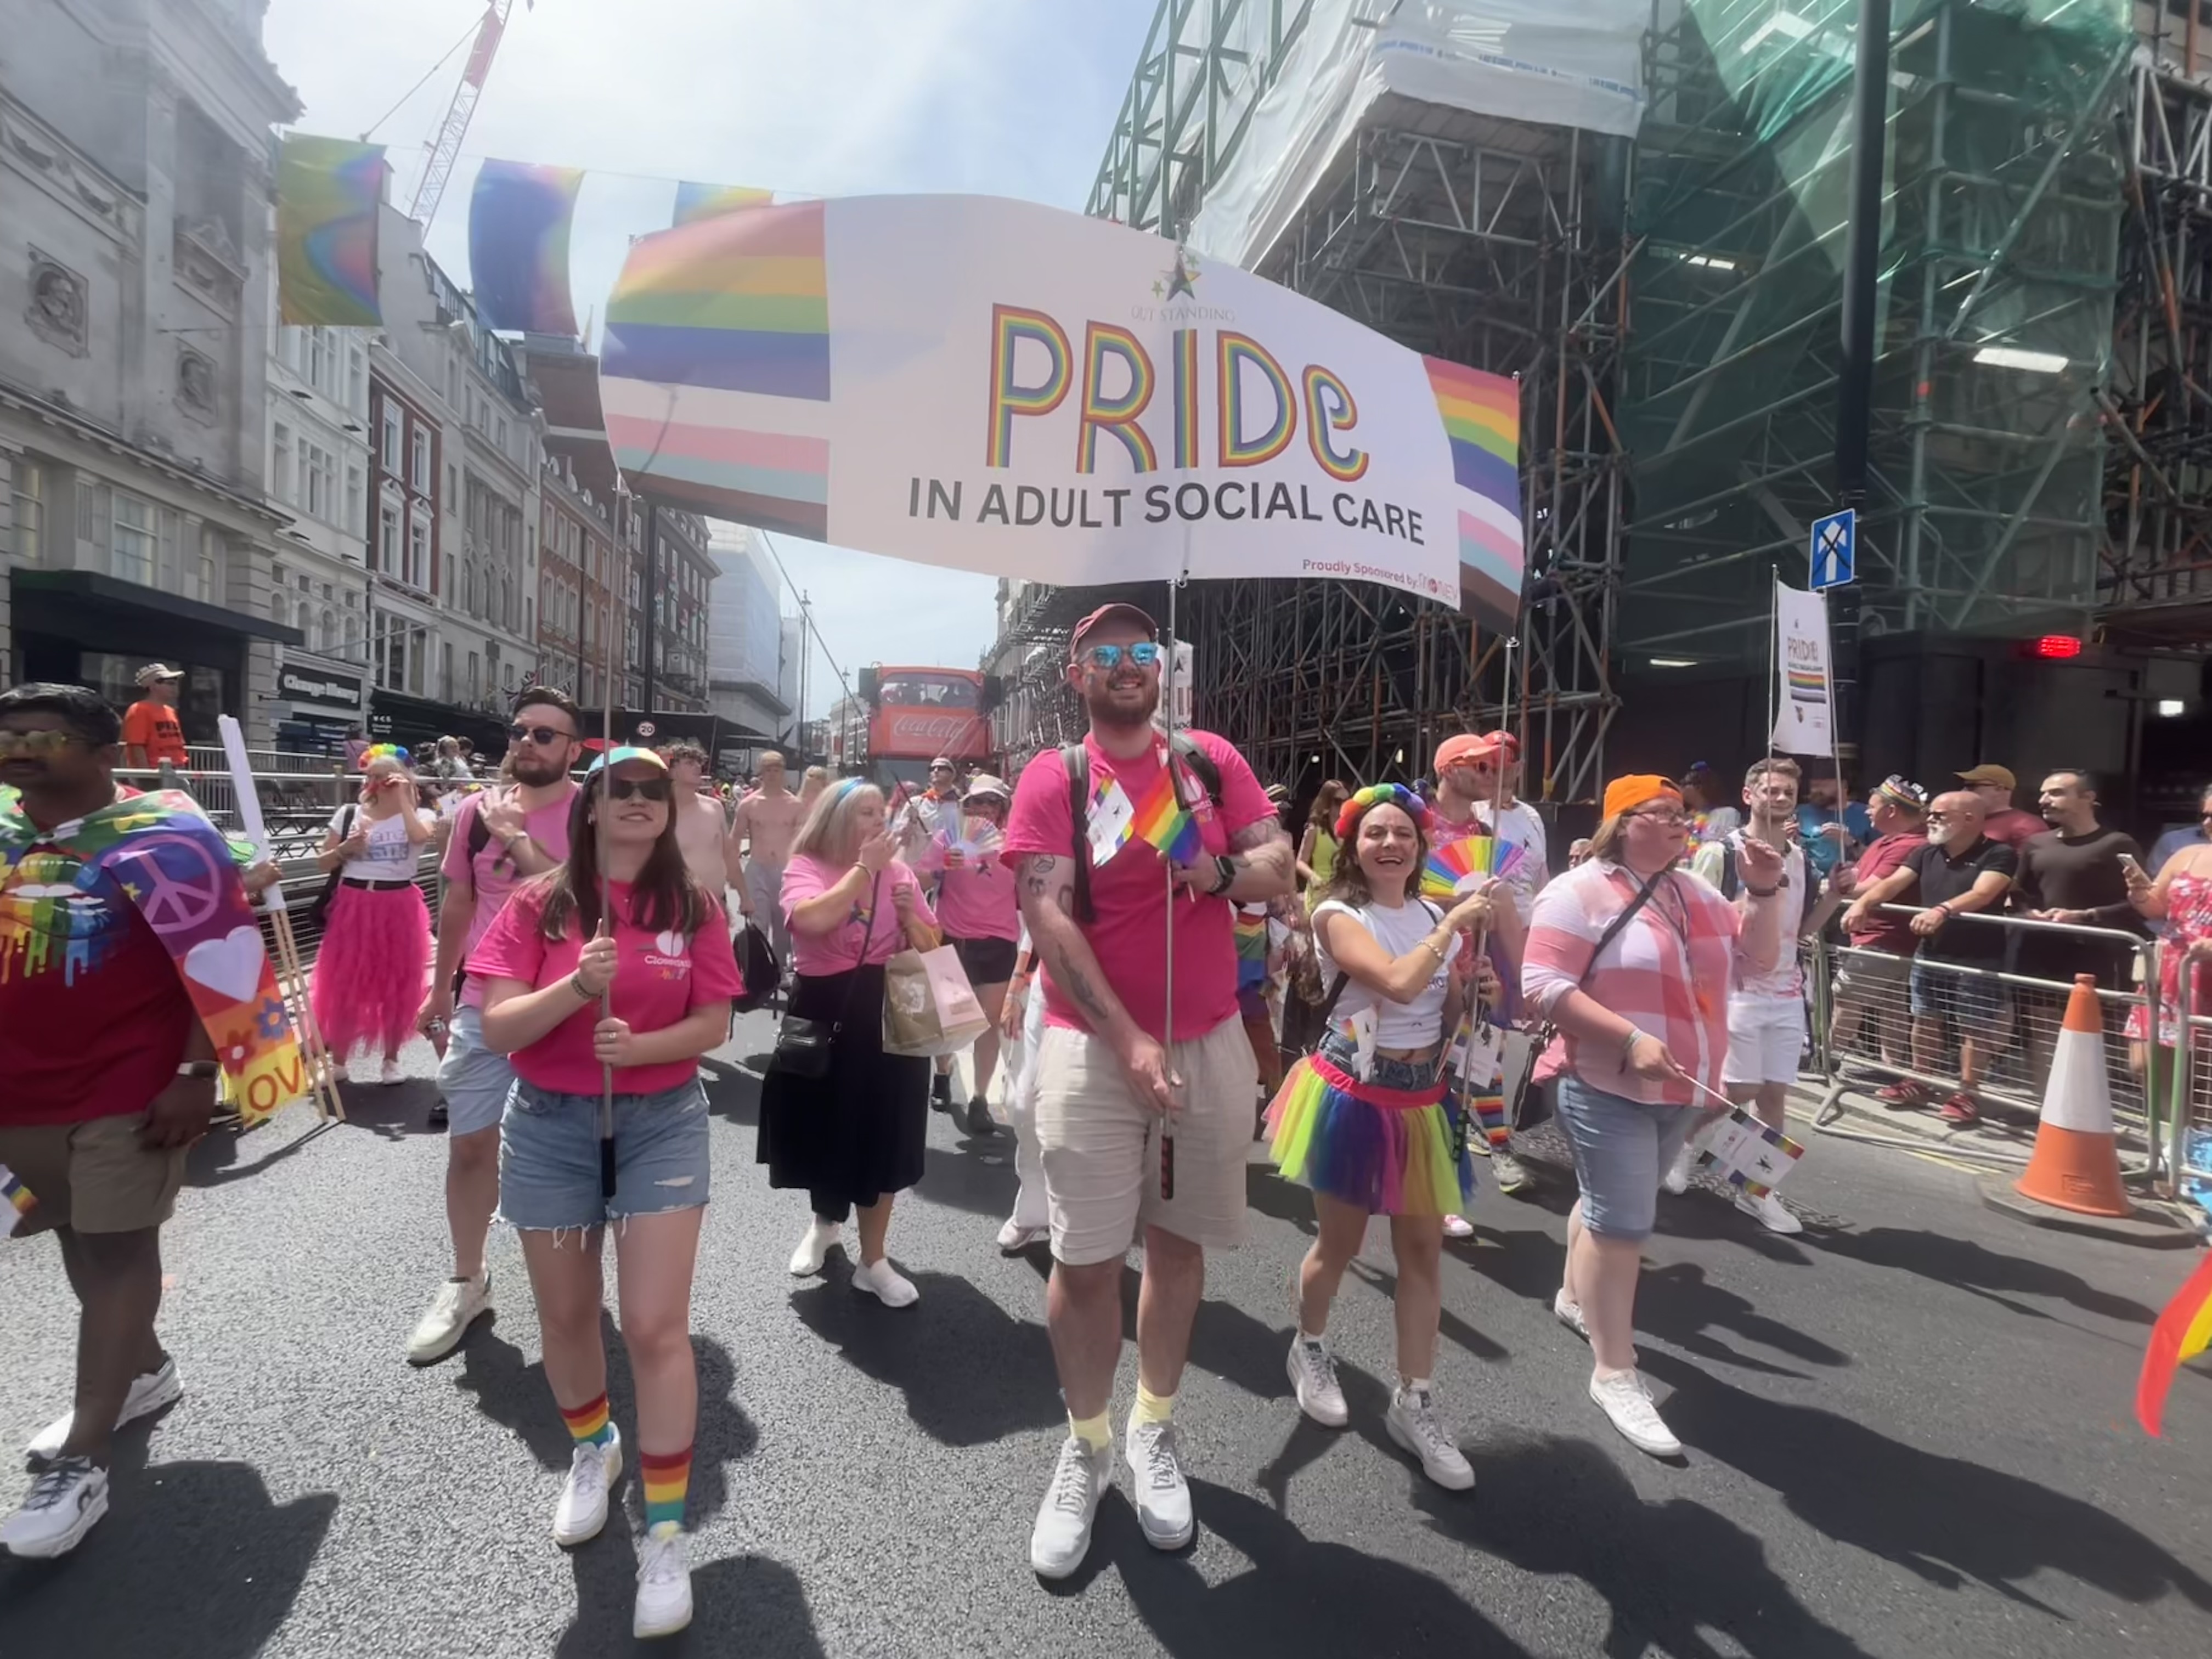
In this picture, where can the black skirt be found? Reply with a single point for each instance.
(861, 1130)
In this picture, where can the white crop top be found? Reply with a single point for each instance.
(1415, 1024)
(390, 857)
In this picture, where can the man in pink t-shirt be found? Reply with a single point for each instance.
(499, 839)
(1143, 1110)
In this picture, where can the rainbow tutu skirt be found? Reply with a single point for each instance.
(1390, 1152)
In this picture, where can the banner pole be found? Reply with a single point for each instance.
(624, 509)
(1828, 696)
(1773, 652)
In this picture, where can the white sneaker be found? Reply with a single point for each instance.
(886, 1283)
(1061, 1536)
(458, 1305)
(1677, 1178)
(1014, 1237)
(339, 1073)
(1569, 1314)
(63, 1503)
(664, 1582)
(593, 1468)
(149, 1394)
(1458, 1226)
(1312, 1379)
(1769, 1212)
(390, 1074)
(1624, 1398)
(1513, 1176)
(1417, 1424)
(806, 1261)
(1163, 1492)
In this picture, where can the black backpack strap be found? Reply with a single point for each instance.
(479, 832)
(1200, 763)
(1077, 761)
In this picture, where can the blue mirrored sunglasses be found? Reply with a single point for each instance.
(1145, 654)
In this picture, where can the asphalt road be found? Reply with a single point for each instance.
(1908, 1434)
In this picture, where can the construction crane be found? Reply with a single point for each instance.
(445, 148)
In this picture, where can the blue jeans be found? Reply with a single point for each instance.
(1621, 1147)
(549, 1157)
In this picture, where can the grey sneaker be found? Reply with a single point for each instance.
(1312, 1379)
(1155, 1459)
(64, 1504)
(1513, 1176)
(1624, 1399)
(1417, 1424)
(1061, 1536)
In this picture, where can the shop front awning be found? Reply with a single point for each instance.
(81, 594)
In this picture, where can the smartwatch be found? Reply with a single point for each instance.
(199, 1068)
(1225, 867)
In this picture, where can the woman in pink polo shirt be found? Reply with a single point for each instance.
(982, 923)
(664, 960)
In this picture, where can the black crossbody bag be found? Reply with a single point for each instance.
(318, 908)
(805, 1047)
(1517, 1110)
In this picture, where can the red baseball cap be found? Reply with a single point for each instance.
(1472, 746)
(1126, 613)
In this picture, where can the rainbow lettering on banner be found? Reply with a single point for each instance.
(1186, 399)
(1234, 351)
(1117, 415)
(1329, 410)
(519, 221)
(738, 303)
(697, 201)
(1481, 414)
(328, 195)
(1010, 325)
(16, 1200)
(1162, 819)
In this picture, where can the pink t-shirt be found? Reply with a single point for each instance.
(1128, 892)
(659, 978)
(492, 874)
(817, 955)
(976, 900)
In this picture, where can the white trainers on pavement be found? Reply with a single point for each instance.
(1155, 1459)
(1624, 1399)
(1770, 1213)
(149, 1394)
(63, 1503)
(391, 1075)
(886, 1283)
(1569, 1314)
(1061, 1536)
(1312, 1379)
(1014, 1237)
(1417, 1424)
(458, 1305)
(593, 1468)
(1677, 1178)
(813, 1249)
(664, 1582)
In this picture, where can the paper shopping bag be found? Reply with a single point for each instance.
(929, 1007)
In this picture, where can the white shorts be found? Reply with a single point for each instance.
(1765, 1036)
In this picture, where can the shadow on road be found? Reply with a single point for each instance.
(1223, 1338)
(734, 1092)
(194, 1561)
(1943, 1519)
(1667, 1572)
(979, 1178)
(747, 1604)
(1678, 1304)
(1967, 1266)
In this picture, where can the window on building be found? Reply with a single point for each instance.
(418, 464)
(356, 398)
(320, 469)
(206, 581)
(387, 539)
(322, 361)
(27, 505)
(502, 435)
(133, 549)
(354, 498)
(475, 678)
(418, 573)
(280, 465)
(392, 428)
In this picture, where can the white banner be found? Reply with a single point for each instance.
(1001, 386)
(1803, 688)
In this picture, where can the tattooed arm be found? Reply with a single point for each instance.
(1048, 901)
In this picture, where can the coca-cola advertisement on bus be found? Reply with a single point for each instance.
(922, 713)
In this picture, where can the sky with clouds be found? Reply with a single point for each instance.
(815, 97)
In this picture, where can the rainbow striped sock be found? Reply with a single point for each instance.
(588, 1423)
(667, 1481)
(1489, 1116)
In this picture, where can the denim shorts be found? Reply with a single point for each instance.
(1411, 1075)
(1972, 1001)
(474, 1079)
(549, 1157)
(1621, 1146)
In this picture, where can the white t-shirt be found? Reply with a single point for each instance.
(390, 856)
(1522, 827)
(1415, 1024)
(1787, 978)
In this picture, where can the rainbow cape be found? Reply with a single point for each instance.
(57, 915)
(2184, 1330)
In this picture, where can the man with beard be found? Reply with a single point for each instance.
(499, 838)
(2071, 873)
(1142, 1117)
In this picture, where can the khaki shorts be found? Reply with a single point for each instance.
(1101, 1146)
(95, 1176)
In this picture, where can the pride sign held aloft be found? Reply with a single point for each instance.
(999, 387)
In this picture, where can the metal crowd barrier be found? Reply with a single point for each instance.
(1864, 1025)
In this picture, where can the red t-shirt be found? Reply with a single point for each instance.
(659, 979)
(1128, 891)
(2012, 826)
(1885, 930)
(94, 1018)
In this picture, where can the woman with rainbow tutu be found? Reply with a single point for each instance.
(1364, 1120)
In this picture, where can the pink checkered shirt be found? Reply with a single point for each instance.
(1669, 971)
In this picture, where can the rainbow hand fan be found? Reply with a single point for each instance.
(1475, 857)
(977, 840)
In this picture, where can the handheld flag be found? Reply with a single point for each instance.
(2184, 1330)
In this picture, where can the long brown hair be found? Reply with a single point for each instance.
(1348, 883)
(664, 897)
(1326, 804)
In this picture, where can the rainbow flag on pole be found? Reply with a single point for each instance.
(2184, 1331)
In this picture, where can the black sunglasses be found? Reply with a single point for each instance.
(543, 736)
(660, 789)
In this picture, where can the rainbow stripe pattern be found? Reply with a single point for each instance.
(329, 192)
(588, 1423)
(519, 221)
(1162, 819)
(2184, 1331)
(1393, 1152)
(1482, 413)
(696, 202)
(16, 1200)
(1472, 855)
(667, 1477)
(705, 318)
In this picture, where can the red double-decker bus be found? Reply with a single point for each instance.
(919, 713)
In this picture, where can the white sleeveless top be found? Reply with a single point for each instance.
(1415, 1024)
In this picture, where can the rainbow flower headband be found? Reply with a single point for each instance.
(377, 751)
(1377, 795)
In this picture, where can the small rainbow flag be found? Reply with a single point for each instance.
(2184, 1330)
(16, 1200)
(1162, 819)
(1481, 415)
(1472, 855)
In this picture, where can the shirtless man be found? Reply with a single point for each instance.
(770, 815)
(710, 850)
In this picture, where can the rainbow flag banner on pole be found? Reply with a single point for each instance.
(1002, 387)
(2184, 1331)
(519, 222)
(329, 193)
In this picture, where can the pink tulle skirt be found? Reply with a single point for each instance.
(369, 977)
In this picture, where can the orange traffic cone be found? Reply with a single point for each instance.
(2076, 1165)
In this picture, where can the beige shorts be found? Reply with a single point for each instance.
(95, 1176)
(1101, 1146)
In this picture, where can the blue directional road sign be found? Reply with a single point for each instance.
(1835, 549)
